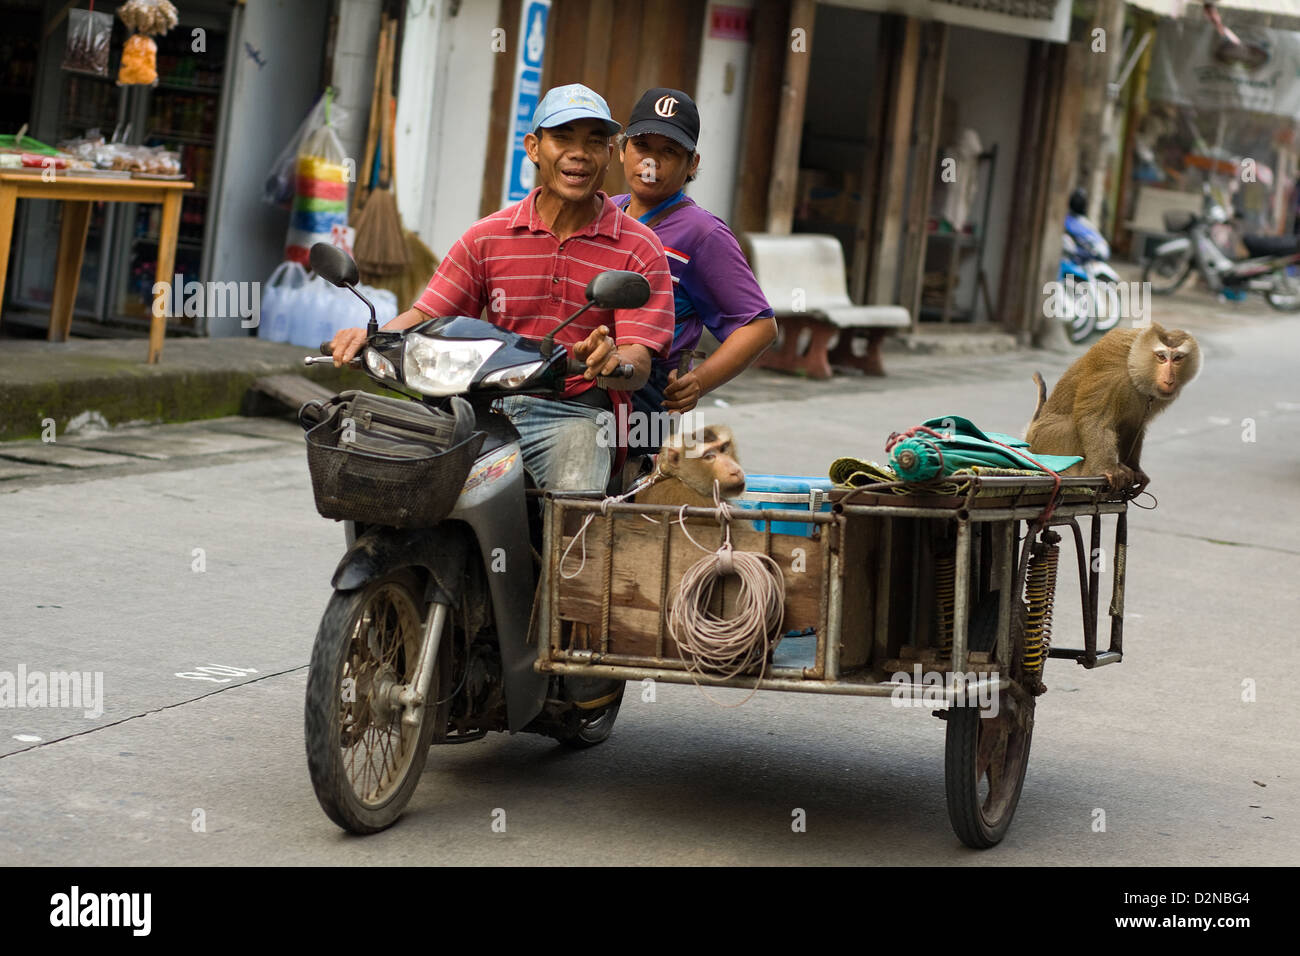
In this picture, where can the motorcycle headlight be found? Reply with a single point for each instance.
(514, 376)
(379, 365)
(444, 366)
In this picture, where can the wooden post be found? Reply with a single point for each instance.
(1137, 89)
(895, 153)
(503, 82)
(789, 124)
(1110, 17)
(929, 105)
(1063, 150)
(762, 103)
(1019, 252)
(863, 254)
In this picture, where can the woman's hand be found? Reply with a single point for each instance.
(682, 394)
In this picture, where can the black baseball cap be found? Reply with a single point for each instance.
(667, 112)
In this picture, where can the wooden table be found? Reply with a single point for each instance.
(77, 193)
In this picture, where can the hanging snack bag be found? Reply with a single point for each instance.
(90, 35)
(148, 18)
(139, 62)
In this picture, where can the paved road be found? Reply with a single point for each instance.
(198, 546)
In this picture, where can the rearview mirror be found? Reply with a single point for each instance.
(333, 265)
(617, 289)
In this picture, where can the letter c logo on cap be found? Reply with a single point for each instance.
(666, 106)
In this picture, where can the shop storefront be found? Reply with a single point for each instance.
(925, 144)
(226, 73)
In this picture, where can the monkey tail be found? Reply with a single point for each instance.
(1042, 396)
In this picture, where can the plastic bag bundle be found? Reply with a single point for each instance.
(89, 37)
(303, 309)
(150, 17)
(278, 190)
(277, 297)
(320, 202)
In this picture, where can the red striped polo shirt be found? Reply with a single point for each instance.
(512, 265)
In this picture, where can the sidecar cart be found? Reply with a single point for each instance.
(938, 595)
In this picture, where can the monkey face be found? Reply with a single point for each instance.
(701, 459)
(1174, 361)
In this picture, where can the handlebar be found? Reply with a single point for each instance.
(326, 357)
(626, 370)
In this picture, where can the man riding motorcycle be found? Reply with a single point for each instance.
(526, 268)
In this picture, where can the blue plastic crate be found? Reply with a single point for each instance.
(785, 493)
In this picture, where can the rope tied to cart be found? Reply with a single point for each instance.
(719, 646)
(710, 644)
(637, 486)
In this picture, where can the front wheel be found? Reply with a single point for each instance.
(1285, 294)
(1167, 273)
(985, 758)
(364, 759)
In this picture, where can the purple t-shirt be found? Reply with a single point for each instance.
(713, 285)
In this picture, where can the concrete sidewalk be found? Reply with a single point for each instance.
(106, 381)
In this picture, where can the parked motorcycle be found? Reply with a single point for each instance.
(1079, 316)
(1267, 270)
(426, 638)
(1085, 258)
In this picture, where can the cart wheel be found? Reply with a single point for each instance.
(984, 768)
(591, 727)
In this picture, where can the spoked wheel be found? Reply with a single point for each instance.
(592, 727)
(1167, 273)
(364, 759)
(1285, 294)
(984, 768)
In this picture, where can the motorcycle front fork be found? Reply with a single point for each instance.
(415, 695)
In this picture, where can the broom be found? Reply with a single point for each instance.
(408, 284)
(381, 247)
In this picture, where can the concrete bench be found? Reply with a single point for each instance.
(803, 278)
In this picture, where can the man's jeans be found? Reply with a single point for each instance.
(561, 442)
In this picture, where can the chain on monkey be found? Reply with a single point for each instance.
(1040, 594)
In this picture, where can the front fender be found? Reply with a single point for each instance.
(1174, 246)
(442, 550)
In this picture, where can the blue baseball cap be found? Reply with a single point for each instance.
(564, 104)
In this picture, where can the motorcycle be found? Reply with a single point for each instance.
(1267, 270)
(426, 637)
(1085, 258)
(1080, 320)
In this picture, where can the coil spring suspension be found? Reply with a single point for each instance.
(945, 573)
(1040, 593)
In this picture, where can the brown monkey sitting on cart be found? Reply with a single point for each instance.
(688, 465)
(1102, 405)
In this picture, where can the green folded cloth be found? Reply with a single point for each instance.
(920, 455)
(857, 472)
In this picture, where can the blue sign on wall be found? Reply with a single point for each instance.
(528, 90)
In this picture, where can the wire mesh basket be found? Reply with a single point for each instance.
(386, 461)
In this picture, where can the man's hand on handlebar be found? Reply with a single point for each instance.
(621, 369)
(597, 350)
(346, 344)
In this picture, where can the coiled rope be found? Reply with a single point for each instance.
(711, 645)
